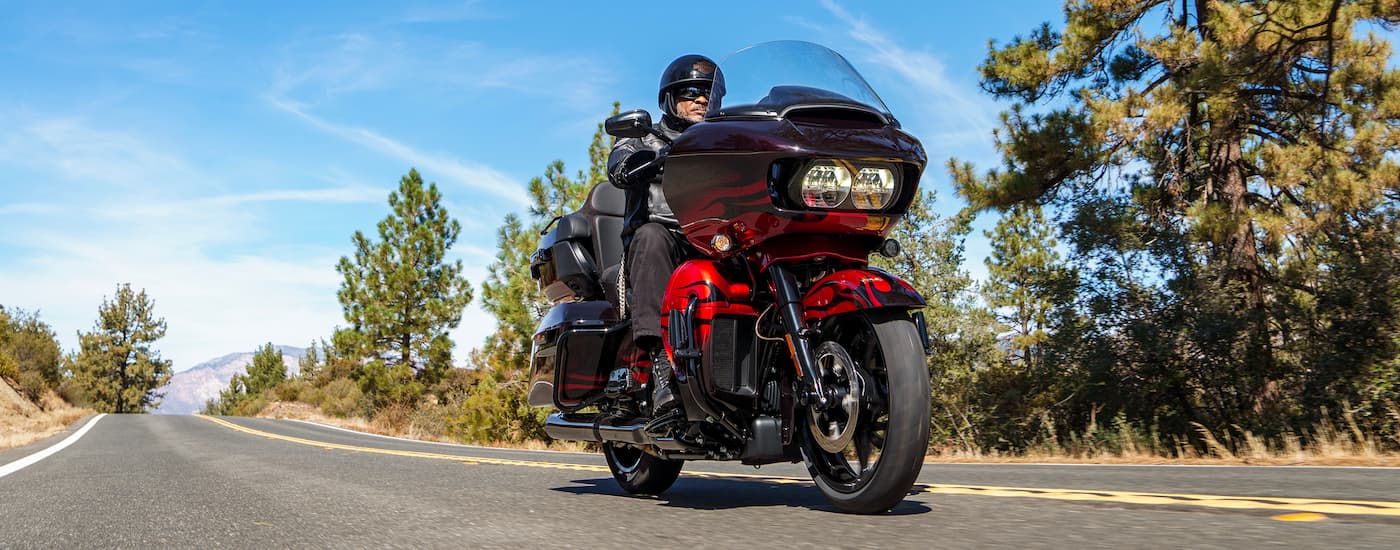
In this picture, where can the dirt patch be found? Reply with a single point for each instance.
(12, 403)
(23, 422)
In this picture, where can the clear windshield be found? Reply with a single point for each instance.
(770, 78)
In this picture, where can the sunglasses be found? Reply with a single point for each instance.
(691, 93)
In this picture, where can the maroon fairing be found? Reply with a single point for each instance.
(718, 180)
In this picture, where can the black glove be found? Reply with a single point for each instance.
(623, 171)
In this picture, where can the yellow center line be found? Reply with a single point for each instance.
(1302, 505)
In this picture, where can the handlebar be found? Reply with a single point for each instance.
(632, 174)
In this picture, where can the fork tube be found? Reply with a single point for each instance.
(790, 310)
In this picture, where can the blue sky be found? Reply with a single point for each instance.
(220, 155)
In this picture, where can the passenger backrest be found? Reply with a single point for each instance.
(610, 204)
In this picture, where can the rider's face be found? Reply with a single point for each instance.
(693, 110)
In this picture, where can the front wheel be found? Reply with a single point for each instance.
(638, 472)
(865, 453)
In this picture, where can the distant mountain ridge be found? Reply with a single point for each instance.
(189, 389)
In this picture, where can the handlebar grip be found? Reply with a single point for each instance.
(632, 174)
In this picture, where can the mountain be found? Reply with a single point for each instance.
(189, 389)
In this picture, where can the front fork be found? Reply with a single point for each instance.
(798, 336)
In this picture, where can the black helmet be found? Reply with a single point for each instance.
(686, 69)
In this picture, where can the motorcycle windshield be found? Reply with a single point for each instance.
(772, 78)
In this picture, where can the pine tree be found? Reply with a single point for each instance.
(1024, 278)
(229, 398)
(116, 368)
(1228, 157)
(399, 293)
(266, 371)
(309, 365)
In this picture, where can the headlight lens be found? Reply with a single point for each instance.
(873, 188)
(825, 185)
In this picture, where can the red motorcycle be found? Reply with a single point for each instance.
(787, 345)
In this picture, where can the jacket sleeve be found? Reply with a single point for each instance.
(626, 156)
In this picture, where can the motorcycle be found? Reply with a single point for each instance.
(786, 344)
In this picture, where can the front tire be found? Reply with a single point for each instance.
(640, 473)
(877, 468)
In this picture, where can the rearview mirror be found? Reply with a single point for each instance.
(631, 124)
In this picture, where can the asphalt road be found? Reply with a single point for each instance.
(184, 481)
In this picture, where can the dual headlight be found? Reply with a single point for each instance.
(842, 184)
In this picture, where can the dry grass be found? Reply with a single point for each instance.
(1325, 445)
(23, 422)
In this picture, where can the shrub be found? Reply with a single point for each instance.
(340, 397)
(32, 384)
(392, 418)
(430, 420)
(289, 390)
(8, 368)
(250, 406)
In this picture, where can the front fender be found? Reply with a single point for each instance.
(852, 290)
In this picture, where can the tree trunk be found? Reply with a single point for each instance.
(1236, 253)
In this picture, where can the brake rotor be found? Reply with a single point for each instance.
(838, 372)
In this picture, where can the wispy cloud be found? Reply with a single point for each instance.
(69, 148)
(471, 175)
(29, 209)
(945, 98)
(323, 67)
(326, 195)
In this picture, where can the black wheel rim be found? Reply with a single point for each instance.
(851, 469)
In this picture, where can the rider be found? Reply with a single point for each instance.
(651, 234)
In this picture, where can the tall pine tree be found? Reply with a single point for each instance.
(117, 369)
(400, 294)
(1230, 157)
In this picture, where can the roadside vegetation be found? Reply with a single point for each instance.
(32, 382)
(116, 368)
(1195, 256)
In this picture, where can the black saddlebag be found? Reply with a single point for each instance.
(575, 349)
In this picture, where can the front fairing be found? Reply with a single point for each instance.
(778, 106)
(726, 176)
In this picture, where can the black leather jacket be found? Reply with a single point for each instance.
(645, 201)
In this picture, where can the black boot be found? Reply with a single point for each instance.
(663, 399)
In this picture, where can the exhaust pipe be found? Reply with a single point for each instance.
(592, 428)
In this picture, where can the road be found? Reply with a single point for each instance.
(141, 481)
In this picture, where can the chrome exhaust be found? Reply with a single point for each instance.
(591, 428)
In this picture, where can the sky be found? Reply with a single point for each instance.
(221, 155)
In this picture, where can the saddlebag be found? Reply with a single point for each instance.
(575, 349)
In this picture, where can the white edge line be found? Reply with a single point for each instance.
(405, 439)
(36, 457)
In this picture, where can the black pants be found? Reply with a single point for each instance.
(653, 253)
